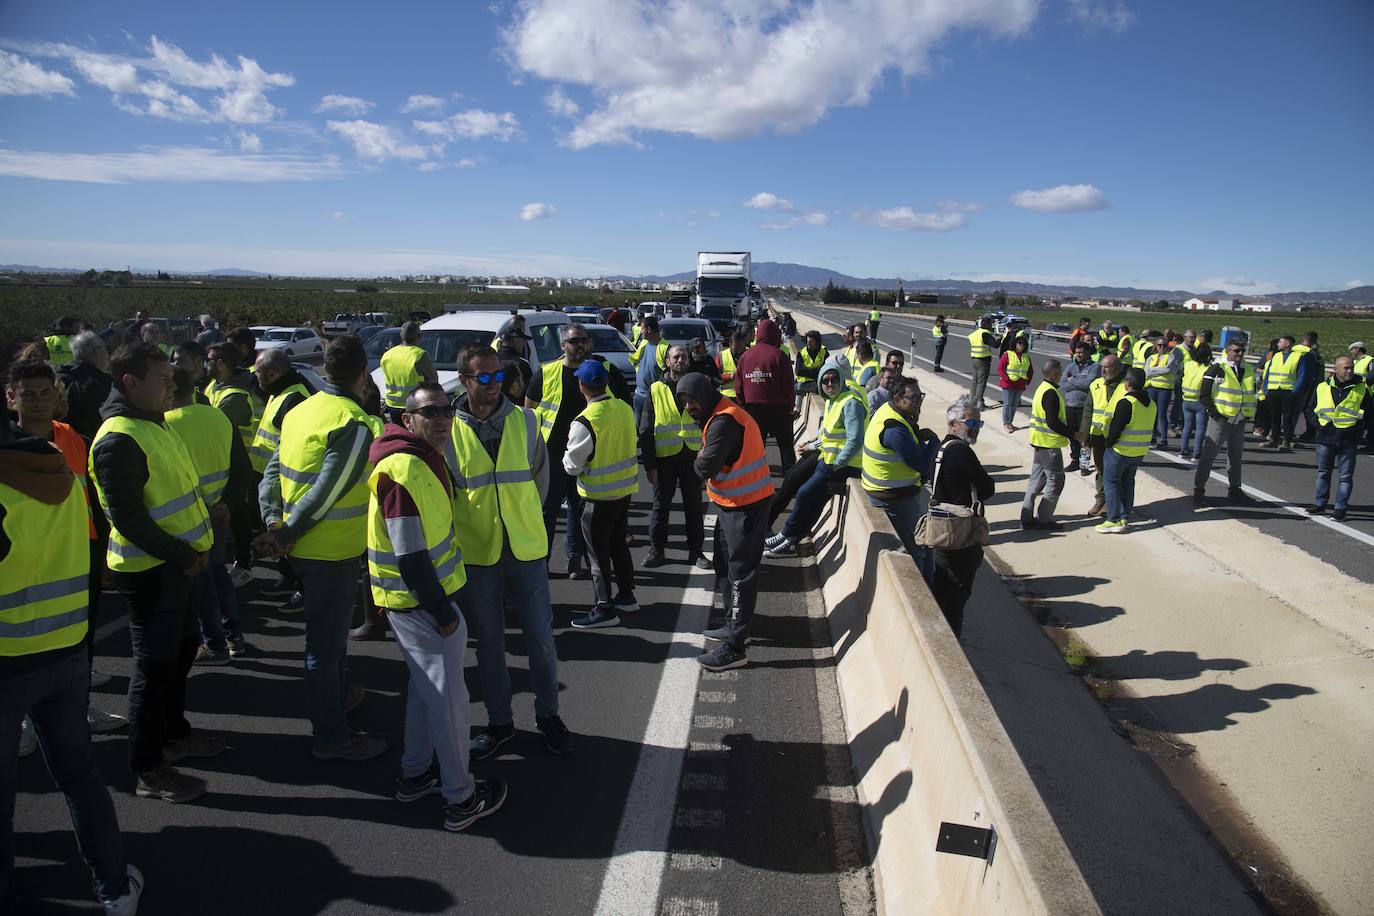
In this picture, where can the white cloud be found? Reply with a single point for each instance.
(905, 219)
(766, 201)
(534, 211)
(1351, 284)
(473, 124)
(814, 218)
(697, 217)
(558, 103)
(422, 103)
(242, 86)
(250, 142)
(166, 164)
(343, 104)
(719, 69)
(1233, 284)
(430, 166)
(1108, 15)
(465, 164)
(1064, 198)
(376, 141)
(23, 77)
(337, 216)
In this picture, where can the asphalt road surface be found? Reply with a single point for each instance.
(739, 799)
(1282, 483)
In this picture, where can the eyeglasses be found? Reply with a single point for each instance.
(434, 411)
(486, 378)
(576, 339)
(972, 423)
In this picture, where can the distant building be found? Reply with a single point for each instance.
(497, 288)
(1196, 304)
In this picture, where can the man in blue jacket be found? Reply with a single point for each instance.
(1078, 375)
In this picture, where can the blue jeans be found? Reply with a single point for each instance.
(562, 484)
(904, 512)
(1118, 479)
(1011, 399)
(1342, 458)
(524, 585)
(811, 500)
(641, 398)
(55, 697)
(1162, 397)
(1194, 428)
(219, 605)
(331, 588)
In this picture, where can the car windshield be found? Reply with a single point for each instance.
(722, 287)
(607, 340)
(278, 334)
(382, 341)
(444, 344)
(684, 330)
(258, 332)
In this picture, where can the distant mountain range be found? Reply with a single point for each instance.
(774, 273)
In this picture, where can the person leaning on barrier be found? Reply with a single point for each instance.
(807, 367)
(1227, 393)
(839, 440)
(602, 457)
(881, 393)
(1342, 402)
(896, 361)
(1050, 434)
(314, 498)
(403, 367)
(415, 569)
(1127, 441)
(980, 344)
(44, 667)
(897, 458)
(959, 478)
(864, 368)
(160, 541)
(735, 468)
(767, 388)
(502, 470)
(668, 444)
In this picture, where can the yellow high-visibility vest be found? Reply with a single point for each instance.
(613, 471)
(401, 371)
(1232, 394)
(389, 590)
(45, 574)
(218, 392)
(498, 503)
(1282, 371)
(673, 427)
(268, 436)
(1104, 402)
(1344, 414)
(1135, 438)
(209, 439)
(882, 468)
(1165, 380)
(551, 397)
(832, 432)
(980, 343)
(1041, 435)
(1018, 366)
(727, 367)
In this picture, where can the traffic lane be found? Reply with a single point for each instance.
(1289, 477)
(273, 811)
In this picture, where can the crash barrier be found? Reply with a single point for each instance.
(954, 823)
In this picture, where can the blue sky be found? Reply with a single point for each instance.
(1175, 145)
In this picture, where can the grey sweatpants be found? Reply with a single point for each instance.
(980, 378)
(436, 701)
(1221, 435)
(1046, 481)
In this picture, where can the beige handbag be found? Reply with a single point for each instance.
(950, 526)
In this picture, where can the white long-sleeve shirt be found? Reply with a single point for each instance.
(581, 445)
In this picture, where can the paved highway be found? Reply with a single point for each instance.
(687, 792)
(1282, 483)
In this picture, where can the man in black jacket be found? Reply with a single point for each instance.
(672, 473)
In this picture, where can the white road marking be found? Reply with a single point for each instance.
(634, 875)
(696, 819)
(695, 861)
(703, 782)
(690, 906)
(707, 748)
(715, 696)
(713, 722)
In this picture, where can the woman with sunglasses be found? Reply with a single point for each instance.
(961, 479)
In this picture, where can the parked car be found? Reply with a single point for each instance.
(377, 344)
(295, 341)
(1058, 329)
(609, 343)
(351, 322)
(682, 330)
(722, 318)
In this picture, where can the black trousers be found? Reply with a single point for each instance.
(954, 573)
(739, 550)
(605, 526)
(1282, 414)
(164, 628)
(939, 352)
(776, 420)
(245, 519)
(792, 481)
(675, 474)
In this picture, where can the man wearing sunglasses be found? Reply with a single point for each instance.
(556, 399)
(502, 469)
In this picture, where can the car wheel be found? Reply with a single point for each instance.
(289, 353)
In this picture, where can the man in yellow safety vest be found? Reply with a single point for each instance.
(1343, 401)
(1050, 434)
(669, 440)
(403, 367)
(1228, 396)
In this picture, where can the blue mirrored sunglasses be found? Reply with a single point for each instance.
(486, 378)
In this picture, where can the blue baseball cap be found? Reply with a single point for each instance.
(592, 373)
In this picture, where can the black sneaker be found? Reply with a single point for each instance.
(701, 561)
(1199, 500)
(654, 559)
(1239, 496)
(722, 658)
(486, 798)
(596, 619)
(1338, 514)
(1072, 466)
(577, 567)
(1051, 525)
(490, 739)
(625, 603)
(413, 788)
(1315, 510)
(717, 634)
(295, 603)
(557, 738)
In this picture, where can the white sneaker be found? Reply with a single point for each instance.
(239, 576)
(128, 904)
(28, 741)
(101, 721)
(100, 678)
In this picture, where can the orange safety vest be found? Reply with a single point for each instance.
(747, 480)
(73, 448)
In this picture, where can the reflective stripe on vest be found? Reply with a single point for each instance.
(727, 367)
(884, 469)
(832, 431)
(672, 427)
(401, 373)
(613, 471)
(747, 480)
(268, 436)
(1018, 366)
(1041, 435)
(45, 574)
(1282, 373)
(435, 504)
(209, 438)
(1192, 379)
(1232, 395)
(1135, 438)
(498, 504)
(1344, 414)
(551, 397)
(1103, 403)
(1165, 380)
(171, 494)
(341, 534)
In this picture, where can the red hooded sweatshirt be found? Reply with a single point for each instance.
(765, 370)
